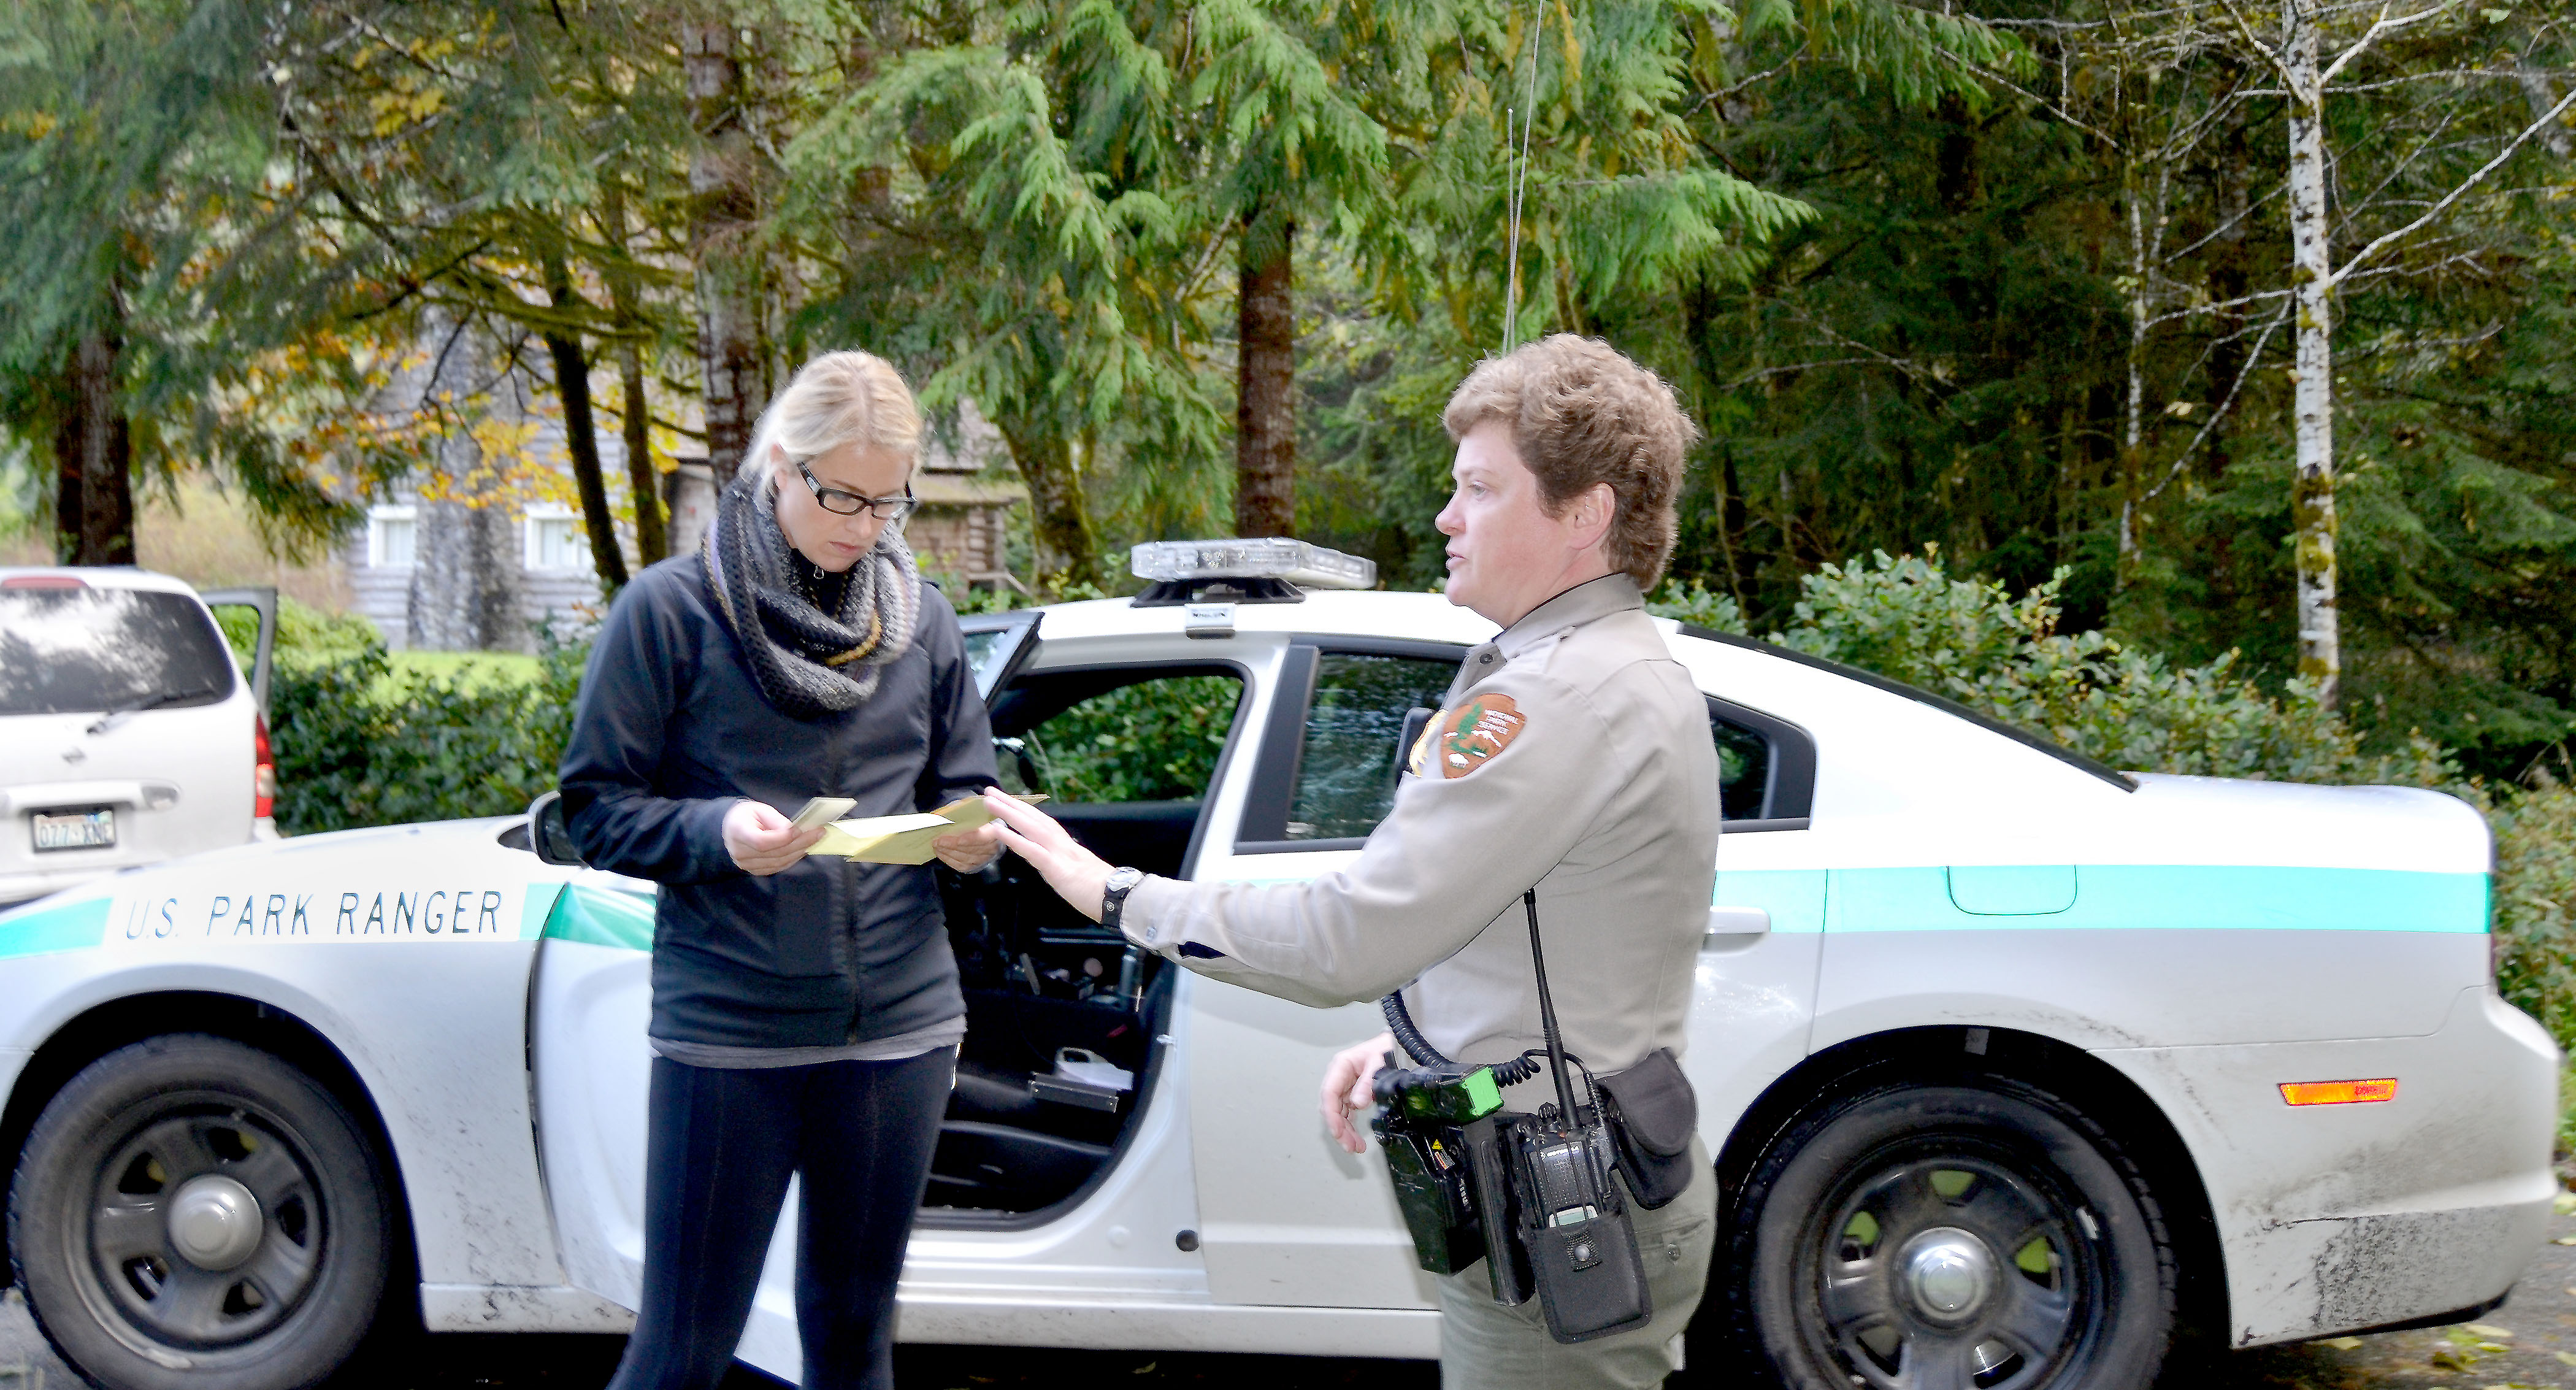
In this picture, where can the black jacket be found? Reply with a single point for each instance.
(671, 730)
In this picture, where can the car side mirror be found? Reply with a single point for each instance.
(548, 835)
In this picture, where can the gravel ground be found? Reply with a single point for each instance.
(2528, 1344)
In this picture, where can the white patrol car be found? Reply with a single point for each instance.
(2009, 1060)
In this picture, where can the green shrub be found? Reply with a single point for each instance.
(359, 743)
(1156, 740)
(305, 634)
(2535, 892)
(1972, 641)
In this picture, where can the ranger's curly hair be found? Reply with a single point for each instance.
(1581, 414)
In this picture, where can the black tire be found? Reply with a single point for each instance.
(124, 1179)
(1975, 1236)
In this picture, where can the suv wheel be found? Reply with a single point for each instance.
(1951, 1237)
(191, 1211)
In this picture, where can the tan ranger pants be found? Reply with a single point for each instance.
(1485, 1346)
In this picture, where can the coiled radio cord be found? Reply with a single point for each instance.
(1399, 1021)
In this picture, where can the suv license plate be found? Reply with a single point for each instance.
(75, 830)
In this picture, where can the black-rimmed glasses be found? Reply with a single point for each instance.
(891, 510)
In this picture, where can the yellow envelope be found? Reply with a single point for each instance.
(902, 839)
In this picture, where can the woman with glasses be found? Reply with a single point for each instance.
(806, 1012)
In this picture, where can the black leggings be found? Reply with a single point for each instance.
(721, 1144)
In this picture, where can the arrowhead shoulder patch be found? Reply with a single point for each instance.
(1464, 737)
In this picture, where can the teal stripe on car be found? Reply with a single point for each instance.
(1795, 898)
(540, 907)
(599, 917)
(70, 927)
(2136, 896)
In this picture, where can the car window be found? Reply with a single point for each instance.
(1346, 770)
(1155, 739)
(992, 642)
(984, 653)
(1743, 769)
(78, 651)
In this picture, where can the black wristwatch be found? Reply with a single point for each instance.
(1114, 891)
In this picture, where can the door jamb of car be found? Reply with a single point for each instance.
(262, 600)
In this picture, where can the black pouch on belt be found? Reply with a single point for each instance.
(1581, 1243)
(1652, 1113)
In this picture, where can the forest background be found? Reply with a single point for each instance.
(2213, 363)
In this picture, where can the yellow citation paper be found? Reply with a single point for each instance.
(902, 839)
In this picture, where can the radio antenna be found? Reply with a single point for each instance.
(1517, 179)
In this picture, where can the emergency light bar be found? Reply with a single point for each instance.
(1269, 558)
(1263, 570)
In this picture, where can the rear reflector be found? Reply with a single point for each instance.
(44, 581)
(263, 772)
(2339, 1092)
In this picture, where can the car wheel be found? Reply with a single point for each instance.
(1954, 1237)
(193, 1212)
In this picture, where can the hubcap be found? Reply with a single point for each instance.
(1948, 1273)
(215, 1222)
(1941, 1265)
(206, 1228)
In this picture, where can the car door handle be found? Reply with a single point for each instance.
(1738, 921)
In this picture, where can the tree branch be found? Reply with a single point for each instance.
(2373, 249)
(2383, 25)
(2252, 360)
(2009, 85)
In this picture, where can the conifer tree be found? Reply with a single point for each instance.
(150, 249)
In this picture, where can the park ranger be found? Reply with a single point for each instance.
(1572, 757)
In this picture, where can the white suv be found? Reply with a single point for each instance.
(127, 735)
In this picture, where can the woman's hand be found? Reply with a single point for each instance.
(1075, 873)
(1348, 1088)
(762, 841)
(969, 850)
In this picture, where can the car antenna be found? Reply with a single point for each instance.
(1517, 180)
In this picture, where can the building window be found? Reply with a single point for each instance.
(556, 540)
(392, 533)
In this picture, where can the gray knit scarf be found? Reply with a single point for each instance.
(809, 663)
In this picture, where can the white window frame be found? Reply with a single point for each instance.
(376, 519)
(531, 528)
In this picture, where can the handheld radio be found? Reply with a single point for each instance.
(1529, 1194)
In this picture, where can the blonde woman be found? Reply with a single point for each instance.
(806, 1013)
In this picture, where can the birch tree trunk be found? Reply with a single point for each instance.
(722, 216)
(2312, 509)
(2134, 406)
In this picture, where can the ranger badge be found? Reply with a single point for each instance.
(1461, 739)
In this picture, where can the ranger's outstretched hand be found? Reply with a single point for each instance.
(1075, 873)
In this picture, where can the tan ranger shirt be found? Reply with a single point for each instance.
(1573, 754)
